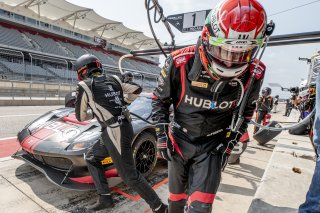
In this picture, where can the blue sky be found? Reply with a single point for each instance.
(282, 63)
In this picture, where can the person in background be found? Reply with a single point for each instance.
(312, 203)
(275, 103)
(264, 106)
(288, 108)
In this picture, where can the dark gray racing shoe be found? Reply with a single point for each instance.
(104, 202)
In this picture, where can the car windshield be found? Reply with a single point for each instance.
(141, 106)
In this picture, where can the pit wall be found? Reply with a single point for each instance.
(20, 93)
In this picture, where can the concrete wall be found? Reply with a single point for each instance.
(19, 93)
(31, 102)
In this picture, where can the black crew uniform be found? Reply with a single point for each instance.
(264, 106)
(199, 125)
(107, 96)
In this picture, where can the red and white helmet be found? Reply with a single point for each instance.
(232, 36)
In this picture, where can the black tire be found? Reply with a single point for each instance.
(145, 153)
(299, 130)
(263, 136)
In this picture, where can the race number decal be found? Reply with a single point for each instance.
(194, 21)
(188, 22)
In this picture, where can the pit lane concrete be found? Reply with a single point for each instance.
(24, 189)
(14, 118)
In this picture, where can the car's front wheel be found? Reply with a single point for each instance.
(145, 153)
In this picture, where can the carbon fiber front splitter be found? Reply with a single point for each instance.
(55, 176)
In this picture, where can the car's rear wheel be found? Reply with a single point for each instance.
(145, 153)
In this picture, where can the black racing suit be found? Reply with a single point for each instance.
(275, 104)
(264, 106)
(107, 97)
(198, 126)
(288, 108)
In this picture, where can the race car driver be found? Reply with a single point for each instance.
(206, 83)
(104, 95)
(264, 106)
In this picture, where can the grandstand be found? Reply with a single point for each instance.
(39, 41)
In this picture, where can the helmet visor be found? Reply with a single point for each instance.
(234, 51)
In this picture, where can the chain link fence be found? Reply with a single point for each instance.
(32, 76)
(24, 90)
(12, 65)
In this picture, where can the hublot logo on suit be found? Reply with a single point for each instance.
(207, 104)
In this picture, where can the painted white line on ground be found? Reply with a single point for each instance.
(1, 139)
(9, 116)
(6, 159)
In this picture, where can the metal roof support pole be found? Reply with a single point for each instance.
(107, 25)
(104, 28)
(125, 34)
(142, 42)
(24, 71)
(67, 80)
(35, 2)
(75, 19)
(31, 67)
(138, 42)
(75, 14)
(30, 3)
(39, 10)
(24, 2)
(125, 37)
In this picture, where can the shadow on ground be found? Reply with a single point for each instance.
(56, 198)
(259, 206)
(249, 173)
(52, 195)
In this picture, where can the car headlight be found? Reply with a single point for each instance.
(84, 141)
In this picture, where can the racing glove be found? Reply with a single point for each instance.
(163, 142)
(226, 148)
